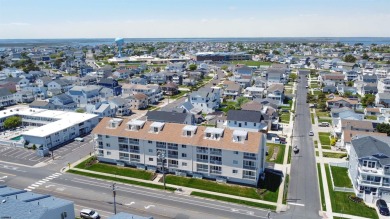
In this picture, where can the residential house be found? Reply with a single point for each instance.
(137, 80)
(232, 91)
(252, 106)
(339, 102)
(43, 81)
(83, 95)
(244, 70)
(6, 98)
(276, 92)
(189, 82)
(121, 105)
(158, 78)
(369, 168)
(87, 80)
(111, 84)
(368, 111)
(348, 135)
(342, 89)
(254, 92)
(336, 78)
(9, 85)
(251, 121)
(206, 99)
(101, 109)
(153, 92)
(24, 96)
(41, 104)
(84, 70)
(384, 85)
(355, 125)
(171, 117)
(176, 78)
(351, 75)
(122, 74)
(329, 89)
(64, 102)
(275, 76)
(383, 98)
(344, 113)
(138, 101)
(61, 84)
(170, 89)
(104, 72)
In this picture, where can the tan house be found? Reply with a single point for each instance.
(138, 101)
(339, 102)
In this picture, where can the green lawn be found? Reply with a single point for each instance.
(285, 117)
(317, 154)
(340, 177)
(121, 171)
(320, 113)
(317, 92)
(268, 191)
(324, 138)
(279, 156)
(321, 188)
(370, 117)
(226, 106)
(97, 176)
(342, 204)
(251, 63)
(315, 143)
(312, 118)
(288, 155)
(287, 180)
(176, 96)
(314, 85)
(325, 120)
(334, 155)
(232, 200)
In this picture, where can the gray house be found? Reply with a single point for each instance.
(171, 117)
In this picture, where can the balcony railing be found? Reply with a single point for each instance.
(173, 147)
(216, 153)
(161, 146)
(386, 184)
(124, 149)
(123, 141)
(216, 162)
(133, 142)
(249, 157)
(123, 158)
(100, 155)
(175, 156)
(100, 146)
(202, 170)
(249, 167)
(215, 171)
(248, 177)
(134, 151)
(360, 180)
(202, 160)
(173, 165)
(203, 151)
(134, 160)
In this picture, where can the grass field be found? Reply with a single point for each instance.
(265, 192)
(342, 204)
(324, 138)
(121, 171)
(312, 118)
(325, 120)
(340, 177)
(321, 188)
(280, 156)
(315, 143)
(371, 117)
(285, 117)
(251, 63)
(334, 155)
(232, 200)
(132, 182)
(319, 113)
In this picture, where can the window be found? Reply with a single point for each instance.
(183, 146)
(369, 164)
(108, 152)
(150, 142)
(235, 122)
(235, 152)
(245, 123)
(184, 155)
(235, 171)
(107, 136)
(108, 145)
(184, 164)
(235, 162)
(254, 124)
(150, 158)
(150, 150)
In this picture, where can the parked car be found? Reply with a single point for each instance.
(79, 139)
(311, 133)
(307, 86)
(324, 124)
(382, 207)
(89, 214)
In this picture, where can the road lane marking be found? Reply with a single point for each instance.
(293, 203)
(149, 206)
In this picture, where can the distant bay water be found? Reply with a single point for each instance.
(4, 43)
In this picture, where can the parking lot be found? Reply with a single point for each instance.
(30, 158)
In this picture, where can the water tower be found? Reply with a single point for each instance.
(119, 42)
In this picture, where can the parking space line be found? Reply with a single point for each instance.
(22, 154)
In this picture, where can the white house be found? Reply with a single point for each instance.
(206, 99)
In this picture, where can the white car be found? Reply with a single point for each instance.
(89, 214)
(311, 133)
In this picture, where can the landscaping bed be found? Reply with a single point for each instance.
(280, 153)
(340, 177)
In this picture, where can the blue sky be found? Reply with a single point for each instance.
(200, 18)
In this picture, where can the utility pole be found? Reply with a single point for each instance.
(114, 194)
(161, 156)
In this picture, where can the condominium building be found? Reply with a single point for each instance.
(197, 151)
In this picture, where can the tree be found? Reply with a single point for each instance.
(275, 52)
(322, 106)
(347, 94)
(350, 83)
(12, 122)
(349, 58)
(293, 77)
(383, 128)
(193, 67)
(241, 101)
(368, 100)
(365, 56)
(224, 67)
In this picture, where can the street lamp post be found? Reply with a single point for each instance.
(114, 194)
(161, 156)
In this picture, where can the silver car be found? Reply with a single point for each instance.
(89, 214)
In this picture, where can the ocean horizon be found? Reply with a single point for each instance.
(97, 41)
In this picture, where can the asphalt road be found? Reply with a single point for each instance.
(97, 194)
(303, 193)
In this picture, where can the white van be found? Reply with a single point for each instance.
(79, 139)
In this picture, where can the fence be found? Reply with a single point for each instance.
(336, 188)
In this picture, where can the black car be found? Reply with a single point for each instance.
(382, 207)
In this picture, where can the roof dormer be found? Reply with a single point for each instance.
(189, 130)
(156, 127)
(213, 133)
(135, 125)
(114, 123)
(240, 136)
